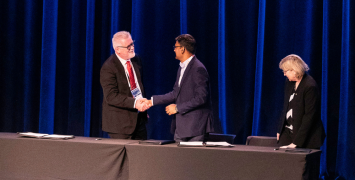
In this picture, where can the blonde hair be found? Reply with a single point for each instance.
(118, 36)
(295, 63)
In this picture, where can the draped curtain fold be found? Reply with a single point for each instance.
(52, 52)
(48, 66)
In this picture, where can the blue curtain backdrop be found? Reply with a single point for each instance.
(51, 52)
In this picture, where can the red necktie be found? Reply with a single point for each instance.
(131, 76)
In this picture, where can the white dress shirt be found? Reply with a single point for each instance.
(183, 67)
(124, 64)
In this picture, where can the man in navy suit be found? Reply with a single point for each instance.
(190, 101)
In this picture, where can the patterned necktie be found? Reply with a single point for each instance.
(131, 76)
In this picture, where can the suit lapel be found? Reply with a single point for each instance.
(138, 74)
(122, 78)
(176, 85)
(302, 83)
(290, 87)
(178, 77)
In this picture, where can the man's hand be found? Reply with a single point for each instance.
(149, 103)
(171, 109)
(289, 146)
(142, 104)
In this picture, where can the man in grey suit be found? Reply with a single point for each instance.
(190, 102)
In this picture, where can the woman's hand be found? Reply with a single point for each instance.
(278, 136)
(289, 146)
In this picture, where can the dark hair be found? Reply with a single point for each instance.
(187, 41)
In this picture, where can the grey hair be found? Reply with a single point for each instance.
(294, 62)
(118, 36)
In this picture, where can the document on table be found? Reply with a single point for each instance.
(45, 136)
(156, 142)
(56, 136)
(208, 144)
(31, 134)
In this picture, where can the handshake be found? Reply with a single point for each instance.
(144, 104)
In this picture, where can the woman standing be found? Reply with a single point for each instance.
(300, 122)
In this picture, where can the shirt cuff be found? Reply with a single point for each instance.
(134, 105)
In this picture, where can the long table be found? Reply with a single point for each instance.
(88, 158)
(239, 162)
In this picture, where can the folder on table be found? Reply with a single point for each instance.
(156, 142)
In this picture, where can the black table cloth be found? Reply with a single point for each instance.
(88, 158)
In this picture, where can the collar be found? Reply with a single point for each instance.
(185, 63)
(123, 61)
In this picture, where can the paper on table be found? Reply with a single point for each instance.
(40, 135)
(59, 136)
(218, 143)
(31, 134)
(191, 143)
(208, 143)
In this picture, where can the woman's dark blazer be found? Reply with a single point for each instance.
(308, 128)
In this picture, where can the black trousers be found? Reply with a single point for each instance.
(286, 137)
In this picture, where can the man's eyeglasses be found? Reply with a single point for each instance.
(177, 46)
(129, 47)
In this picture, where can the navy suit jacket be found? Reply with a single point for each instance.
(195, 116)
(118, 114)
